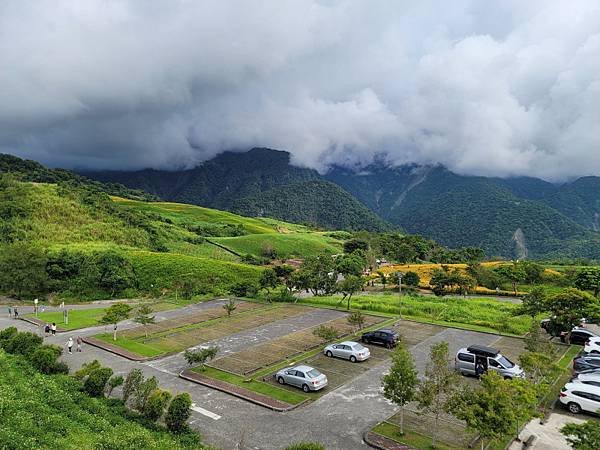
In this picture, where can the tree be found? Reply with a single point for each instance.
(352, 245)
(95, 384)
(382, 278)
(86, 369)
(348, 286)
(583, 436)
(513, 273)
(230, 307)
(352, 264)
(405, 254)
(144, 318)
(539, 367)
(524, 396)
(268, 280)
(244, 288)
(132, 382)
(488, 409)
(178, 413)
(439, 383)
(318, 274)
(411, 279)
(533, 271)
(114, 382)
(535, 342)
(533, 303)
(569, 306)
(116, 272)
(24, 343)
(588, 279)
(23, 270)
(157, 403)
(115, 314)
(400, 384)
(200, 356)
(356, 319)
(143, 391)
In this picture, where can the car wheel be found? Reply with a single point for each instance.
(365, 340)
(388, 344)
(305, 388)
(280, 380)
(574, 408)
(353, 359)
(329, 354)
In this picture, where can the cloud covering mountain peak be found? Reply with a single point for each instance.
(491, 88)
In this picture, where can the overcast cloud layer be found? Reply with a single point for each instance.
(492, 88)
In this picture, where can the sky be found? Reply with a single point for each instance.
(501, 88)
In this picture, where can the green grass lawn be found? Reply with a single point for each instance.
(287, 245)
(410, 438)
(78, 318)
(478, 314)
(283, 395)
(133, 346)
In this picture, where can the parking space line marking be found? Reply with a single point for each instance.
(205, 412)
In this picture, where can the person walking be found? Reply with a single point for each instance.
(70, 345)
(53, 329)
(79, 342)
(9, 311)
(16, 311)
(47, 329)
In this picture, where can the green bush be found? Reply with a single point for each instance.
(178, 413)
(23, 343)
(95, 384)
(44, 359)
(306, 446)
(6, 335)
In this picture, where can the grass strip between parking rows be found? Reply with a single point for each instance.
(256, 385)
(410, 438)
(260, 387)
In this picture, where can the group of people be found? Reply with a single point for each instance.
(70, 343)
(13, 311)
(50, 329)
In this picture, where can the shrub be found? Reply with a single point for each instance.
(95, 383)
(356, 319)
(200, 356)
(244, 289)
(325, 332)
(6, 335)
(44, 359)
(85, 370)
(178, 413)
(157, 404)
(306, 446)
(23, 343)
(411, 279)
(145, 388)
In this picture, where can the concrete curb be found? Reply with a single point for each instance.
(250, 397)
(369, 438)
(41, 323)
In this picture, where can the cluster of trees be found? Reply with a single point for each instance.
(445, 280)
(28, 271)
(406, 249)
(493, 408)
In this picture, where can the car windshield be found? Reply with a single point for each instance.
(357, 347)
(313, 373)
(505, 362)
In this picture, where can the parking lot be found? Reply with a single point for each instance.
(338, 417)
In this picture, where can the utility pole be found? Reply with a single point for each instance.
(400, 275)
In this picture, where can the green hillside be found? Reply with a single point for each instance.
(579, 200)
(50, 411)
(260, 182)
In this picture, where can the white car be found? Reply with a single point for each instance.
(579, 397)
(592, 345)
(593, 379)
(348, 350)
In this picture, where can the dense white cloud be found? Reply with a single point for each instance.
(493, 88)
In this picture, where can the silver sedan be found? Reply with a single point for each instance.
(304, 377)
(348, 350)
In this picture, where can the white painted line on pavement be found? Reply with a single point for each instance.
(205, 412)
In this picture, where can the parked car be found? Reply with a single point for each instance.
(305, 377)
(478, 359)
(591, 378)
(348, 350)
(592, 345)
(579, 397)
(579, 335)
(586, 362)
(386, 337)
